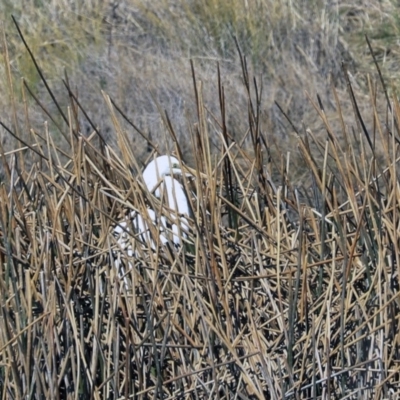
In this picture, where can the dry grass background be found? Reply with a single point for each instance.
(139, 52)
(287, 285)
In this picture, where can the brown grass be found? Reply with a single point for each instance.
(278, 291)
(138, 51)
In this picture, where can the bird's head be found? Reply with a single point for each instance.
(174, 169)
(161, 167)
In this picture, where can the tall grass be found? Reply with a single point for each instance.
(138, 51)
(279, 291)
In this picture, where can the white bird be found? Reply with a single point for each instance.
(159, 176)
(159, 179)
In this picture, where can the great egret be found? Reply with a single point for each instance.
(159, 179)
(159, 176)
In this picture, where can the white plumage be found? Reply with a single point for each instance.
(159, 179)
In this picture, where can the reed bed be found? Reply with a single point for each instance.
(278, 291)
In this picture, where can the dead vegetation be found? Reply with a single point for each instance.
(138, 51)
(278, 291)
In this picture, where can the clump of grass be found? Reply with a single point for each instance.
(278, 292)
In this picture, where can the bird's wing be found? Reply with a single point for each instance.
(177, 199)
